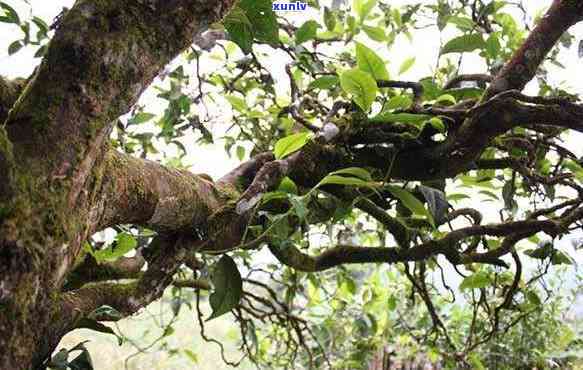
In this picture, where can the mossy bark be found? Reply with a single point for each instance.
(52, 152)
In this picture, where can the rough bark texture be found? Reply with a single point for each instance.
(53, 153)
(60, 181)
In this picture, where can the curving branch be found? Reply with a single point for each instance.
(416, 87)
(395, 227)
(463, 146)
(146, 193)
(347, 254)
(447, 245)
(524, 64)
(166, 253)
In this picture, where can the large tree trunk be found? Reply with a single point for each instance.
(53, 155)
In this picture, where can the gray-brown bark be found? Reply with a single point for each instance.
(52, 153)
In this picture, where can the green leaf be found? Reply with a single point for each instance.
(475, 362)
(287, 185)
(126, 242)
(361, 86)
(82, 362)
(392, 303)
(10, 15)
(342, 180)
(239, 28)
(533, 297)
(437, 124)
(465, 43)
(14, 47)
(397, 18)
(575, 168)
(368, 61)
(41, 51)
(478, 280)
(560, 258)
(240, 152)
(228, 287)
(299, 206)
(191, 356)
(466, 93)
(43, 27)
(463, 23)
(25, 27)
(351, 176)
(543, 251)
(274, 195)
(289, 144)
(329, 19)
(307, 31)
(60, 361)
(123, 244)
(406, 65)
(416, 119)
(91, 324)
(357, 172)
(493, 45)
(375, 33)
(398, 102)
(446, 98)
(489, 194)
(105, 312)
(236, 102)
(350, 25)
(362, 8)
(262, 17)
(141, 117)
(169, 330)
(411, 202)
(324, 83)
(457, 197)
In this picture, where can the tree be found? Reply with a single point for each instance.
(348, 144)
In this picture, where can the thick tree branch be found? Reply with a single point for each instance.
(105, 54)
(566, 115)
(243, 175)
(166, 253)
(447, 246)
(146, 193)
(462, 148)
(523, 66)
(346, 254)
